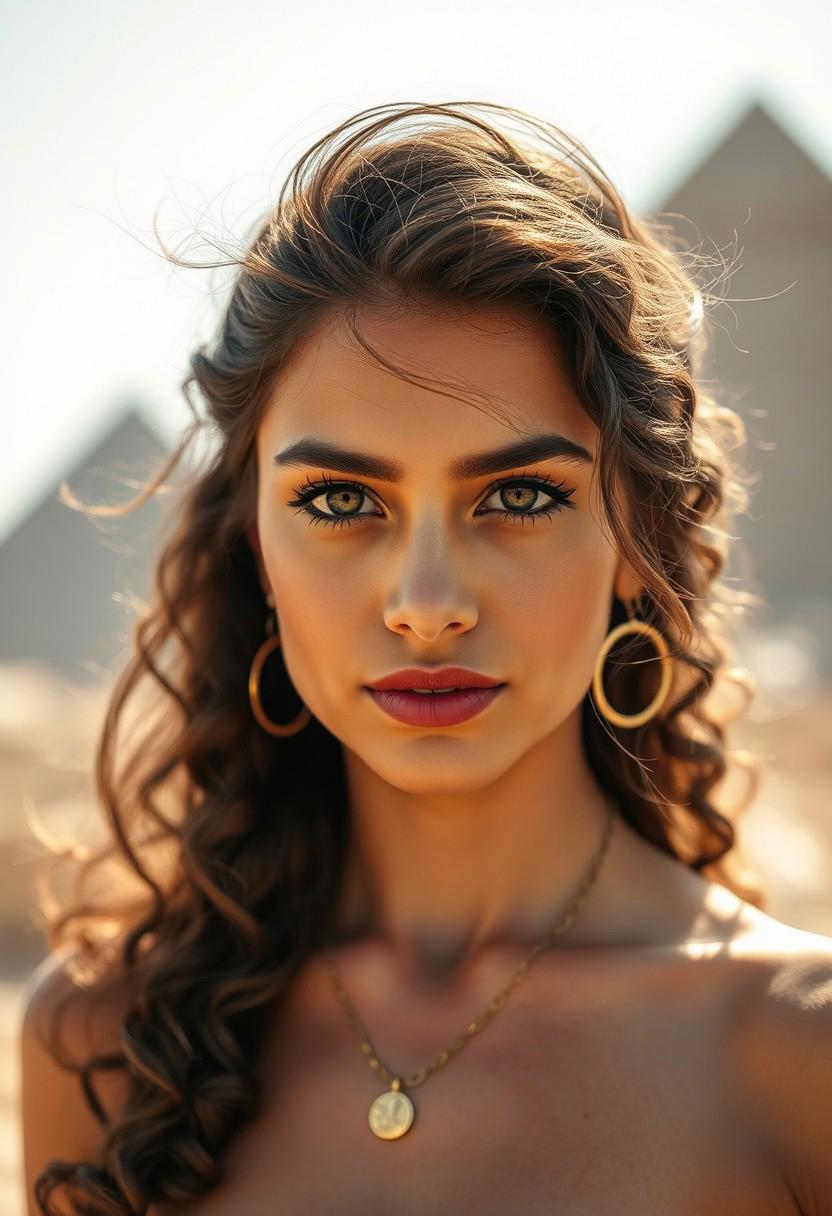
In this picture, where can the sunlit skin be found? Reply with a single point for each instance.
(472, 838)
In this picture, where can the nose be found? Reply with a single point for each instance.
(430, 591)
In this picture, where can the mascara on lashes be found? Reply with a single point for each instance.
(310, 490)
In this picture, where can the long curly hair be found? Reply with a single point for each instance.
(228, 843)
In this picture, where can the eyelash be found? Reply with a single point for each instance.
(538, 481)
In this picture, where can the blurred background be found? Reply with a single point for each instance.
(718, 113)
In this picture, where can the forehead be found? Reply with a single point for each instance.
(502, 358)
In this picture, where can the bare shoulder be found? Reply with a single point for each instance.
(786, 1047)
(789, 972)
(64, 1025)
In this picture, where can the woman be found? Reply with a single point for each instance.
(437, 903)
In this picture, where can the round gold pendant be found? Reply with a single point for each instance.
(391, 1114)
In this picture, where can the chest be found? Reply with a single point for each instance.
(597, 1100)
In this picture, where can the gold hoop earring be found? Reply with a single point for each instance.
(632, 626)
(265, 649)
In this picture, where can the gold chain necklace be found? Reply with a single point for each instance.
(391, 1113)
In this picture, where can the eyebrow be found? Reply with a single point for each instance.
(480, 464)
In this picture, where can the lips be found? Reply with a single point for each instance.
(439, 709)
(437, 680)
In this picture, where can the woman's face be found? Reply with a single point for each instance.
(420, 566)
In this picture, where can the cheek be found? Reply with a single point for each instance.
(298, 573)
(312, 597)
(560, 606)
(568, 582)
(321, 608)
(318, 618)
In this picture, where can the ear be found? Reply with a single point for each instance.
(627, 587)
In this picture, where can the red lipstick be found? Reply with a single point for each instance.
(466, 694)
(434, 677)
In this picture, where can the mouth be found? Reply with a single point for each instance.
(434, 707)
(438, 692)
(441, 680)
(427, 692)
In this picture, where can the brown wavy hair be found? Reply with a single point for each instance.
(229, 843)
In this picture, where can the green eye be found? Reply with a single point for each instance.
(559, 497)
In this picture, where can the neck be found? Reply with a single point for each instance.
(439, 876)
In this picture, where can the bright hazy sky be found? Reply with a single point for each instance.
(113, 108)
